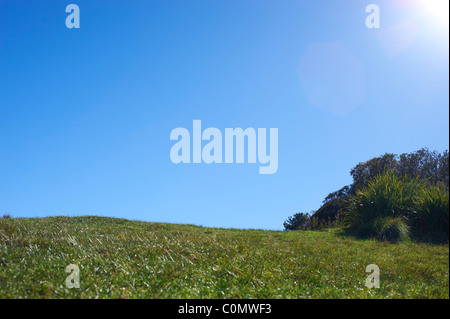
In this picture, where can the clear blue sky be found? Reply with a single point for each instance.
(86, 114)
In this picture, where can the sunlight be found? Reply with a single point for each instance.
(439, 8)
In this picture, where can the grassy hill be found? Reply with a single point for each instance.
(131, 259)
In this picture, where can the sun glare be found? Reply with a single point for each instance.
(439, 8)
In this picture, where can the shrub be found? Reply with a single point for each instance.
(391, 208)
(385, 196)
(430, 216)
(392, 229)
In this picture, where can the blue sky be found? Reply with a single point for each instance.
(86, 114)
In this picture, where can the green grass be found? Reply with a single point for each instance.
(130, 259)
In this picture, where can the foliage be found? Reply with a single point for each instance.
(310, 221)
(426, 165)
(297, 221)
(392, 229)
(403, 203)
(342, 193)
(430, 218)
(364, 172)
(387, 195)
(412, 186)
(331, 208)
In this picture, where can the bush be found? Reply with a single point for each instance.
(430, 216)
(386, 196)
(383, 229)
(391, 208)
(392, 229)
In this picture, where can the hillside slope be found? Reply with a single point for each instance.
(120, 258)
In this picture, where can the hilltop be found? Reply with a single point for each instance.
(121, 258)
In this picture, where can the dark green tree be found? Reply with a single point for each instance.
(297, 221)
(366, 171)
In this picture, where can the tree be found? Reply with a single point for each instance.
(422, 164)
(342, 193)
(363, 172)
(297, 221)
(443, 169)
(328, 211)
